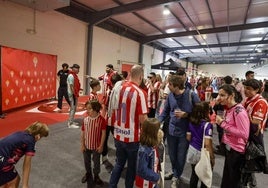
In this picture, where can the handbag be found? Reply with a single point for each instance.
(255, 158)
(254, 150)
(203, 168)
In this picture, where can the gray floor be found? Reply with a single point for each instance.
(59, 163)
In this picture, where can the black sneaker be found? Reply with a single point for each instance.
(108, 166)
(86, 177)
(97, 180)
(219, 152)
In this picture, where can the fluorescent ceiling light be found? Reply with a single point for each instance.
(171, 30)
(166, 11)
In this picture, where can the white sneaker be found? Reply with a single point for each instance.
(73, 126)
(57, 110)
(174, 182)
(76, 123)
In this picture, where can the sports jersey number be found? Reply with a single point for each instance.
(124, 112)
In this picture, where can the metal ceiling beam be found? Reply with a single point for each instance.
(183, 25)
(205, 31)
(212, 21)
(245, 20)
(100, 16)
(81, 12)
(218, 45)
(227, 53)
(76, 10)
(148, 22)
(212, 58)
(226, 62)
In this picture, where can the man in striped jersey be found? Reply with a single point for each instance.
(107, 82)
(131, 113)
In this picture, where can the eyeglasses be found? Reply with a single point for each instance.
(149, 77)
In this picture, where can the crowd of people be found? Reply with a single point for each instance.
(141, 114)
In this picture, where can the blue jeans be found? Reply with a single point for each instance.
(177, 150)
(124, 152)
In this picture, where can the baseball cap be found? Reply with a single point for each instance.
(75, 66)
(110, 66)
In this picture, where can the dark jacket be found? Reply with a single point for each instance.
(145, 164)
(185, 101)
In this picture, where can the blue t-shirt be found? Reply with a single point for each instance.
(13, 147)
(196, 132)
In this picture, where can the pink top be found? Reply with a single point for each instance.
(236, 128)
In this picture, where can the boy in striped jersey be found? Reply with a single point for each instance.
(92, 141)
(95, 87)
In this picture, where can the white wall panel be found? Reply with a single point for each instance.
(57, 34)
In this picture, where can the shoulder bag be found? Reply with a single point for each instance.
(203, 168)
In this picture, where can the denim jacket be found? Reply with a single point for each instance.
(145, 164)
(178, 126)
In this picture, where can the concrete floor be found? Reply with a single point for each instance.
(59, 163)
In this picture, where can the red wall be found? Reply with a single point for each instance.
(26, 77)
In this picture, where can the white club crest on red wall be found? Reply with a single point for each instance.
(35, 61)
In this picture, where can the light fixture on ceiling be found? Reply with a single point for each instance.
(190, 37)
(32, 30)
(166, 11)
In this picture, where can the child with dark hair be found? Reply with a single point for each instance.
(13, 147)
(199, 125)
(95, 87)
(148, 164)
(124, 74)
(92, 141)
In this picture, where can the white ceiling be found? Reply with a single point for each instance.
(221, 31)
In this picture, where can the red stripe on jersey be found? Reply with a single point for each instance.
(257, 108)
(142, 183)
(92, 128)
(133, 102)
(93, 96)
(153, 96)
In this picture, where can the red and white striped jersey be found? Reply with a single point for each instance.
(92, 96)
(153, 96)
(92, 128)
(132, 103)
(111, 120)
(257, 108)
(107, 83)
(142, 183)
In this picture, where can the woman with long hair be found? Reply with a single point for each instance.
(235, 124)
